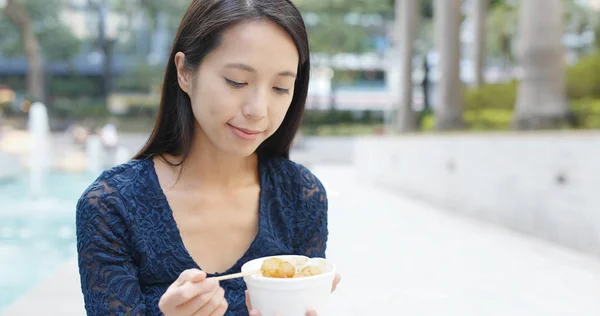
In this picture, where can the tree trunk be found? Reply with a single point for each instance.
(18, 15)
(406, 19)
(480, 11)
(541, 101)
(448, 114)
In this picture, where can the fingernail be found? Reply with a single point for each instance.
(254, 313)
(213, 282)
(199, 275)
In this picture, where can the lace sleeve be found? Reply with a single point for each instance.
(108, 276)
(312, 217)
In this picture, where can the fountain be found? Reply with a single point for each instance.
(39, 150)
(37, 211)
(123, 155)
(94, 154)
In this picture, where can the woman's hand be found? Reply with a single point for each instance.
(254, 312)
(193, 294)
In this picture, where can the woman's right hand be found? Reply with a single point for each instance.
(193, 294)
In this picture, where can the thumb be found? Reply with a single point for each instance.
(199, 276)
(251, 312)
(248, 305)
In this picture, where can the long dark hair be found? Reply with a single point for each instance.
(199, 33)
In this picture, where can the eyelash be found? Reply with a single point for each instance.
(239, 85)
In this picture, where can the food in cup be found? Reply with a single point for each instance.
(290, 296)
(278, 268)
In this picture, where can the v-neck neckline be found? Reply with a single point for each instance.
(179, 242)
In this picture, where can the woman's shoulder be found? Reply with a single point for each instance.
(120, 181)
(126, 174)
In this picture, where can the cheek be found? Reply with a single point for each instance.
(277, 114)
(211, 105)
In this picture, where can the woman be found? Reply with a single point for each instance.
(213, 187)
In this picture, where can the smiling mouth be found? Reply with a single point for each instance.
(244, 133)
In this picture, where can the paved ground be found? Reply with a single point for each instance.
(402, 257)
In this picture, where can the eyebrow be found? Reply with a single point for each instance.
(250, 69)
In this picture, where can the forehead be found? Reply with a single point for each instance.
(261, 44)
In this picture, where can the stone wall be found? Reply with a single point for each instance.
(544, 184)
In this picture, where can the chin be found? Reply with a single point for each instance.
(241, 151)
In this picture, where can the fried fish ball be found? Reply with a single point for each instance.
(287, 270)
(308, 271)
(270, 267)
(277, 268)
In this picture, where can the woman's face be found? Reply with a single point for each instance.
(242, 90)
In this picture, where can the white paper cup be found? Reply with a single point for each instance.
(289, 297)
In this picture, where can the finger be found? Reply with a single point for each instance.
(196, 303)
(336, 281)
(254, 313)
(311, 313)
(221, 309)
(213, 303)
(185, 293)
(248, 305)
(192, 275)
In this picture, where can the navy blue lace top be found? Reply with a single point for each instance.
(130, 249)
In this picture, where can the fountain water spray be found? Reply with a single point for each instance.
(39, 150)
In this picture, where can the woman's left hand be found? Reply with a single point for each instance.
(254, 312)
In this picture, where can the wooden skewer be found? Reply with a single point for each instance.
(236, 275)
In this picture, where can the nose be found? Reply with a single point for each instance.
(257, 104)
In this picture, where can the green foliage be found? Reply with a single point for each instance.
(490, 107)
(56, 40)
(587, 112)
(345, 6)
(344, 130)
(316, 119)
(501, 29)
(73, 87)
(583, 78)
(333, 35)
(78, 108)
(143, 77)
(492, 96)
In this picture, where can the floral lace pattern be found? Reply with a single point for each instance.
(130, 249)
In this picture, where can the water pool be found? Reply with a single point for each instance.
(36, 237)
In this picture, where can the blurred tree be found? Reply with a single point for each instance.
(479, 9)
(501, 31)
(332, 35)
(18, 15)
(57, 42)
(337, 26)
(35, 28)
(449, 113)
(541, 101)
(147, 31)
(406, 31)
(579, 19)
(383, 7)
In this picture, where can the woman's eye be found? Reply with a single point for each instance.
(235, 84)
(281, 90)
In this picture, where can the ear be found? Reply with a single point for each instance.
(184, 77)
